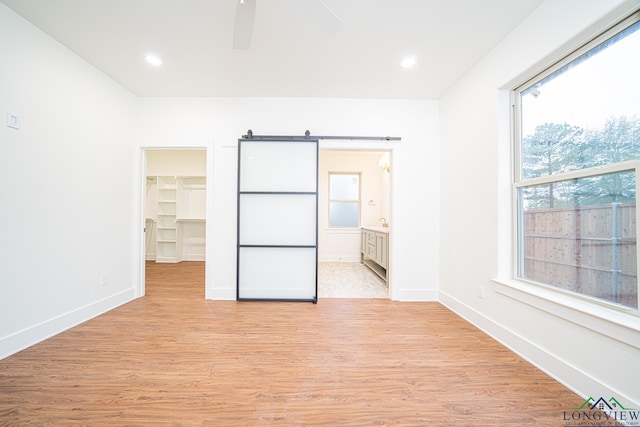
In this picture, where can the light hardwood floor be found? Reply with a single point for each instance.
(173, 358)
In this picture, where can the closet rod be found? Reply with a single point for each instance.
(307, 135)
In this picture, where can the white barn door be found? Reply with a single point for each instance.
(277, 219)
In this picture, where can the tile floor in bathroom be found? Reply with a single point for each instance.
(349, 280)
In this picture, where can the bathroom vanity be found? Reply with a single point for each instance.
(374, 249)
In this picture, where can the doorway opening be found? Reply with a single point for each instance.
(174, 215)
(342, 244)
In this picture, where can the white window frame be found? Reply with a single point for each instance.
(622, 323)
(359, 201)
(627, 166)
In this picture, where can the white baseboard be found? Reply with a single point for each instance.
(25, 338)
(189, 257)
(414, 295)
(194, 257)
(220, 294)
(338, 258)
(565, 373)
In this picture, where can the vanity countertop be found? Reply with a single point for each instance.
(376, 228)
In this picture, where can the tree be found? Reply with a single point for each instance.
(617, 141)
(553, 148)
(556, 148)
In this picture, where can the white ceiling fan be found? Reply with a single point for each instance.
(315, 11)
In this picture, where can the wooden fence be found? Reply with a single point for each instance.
(586, 249)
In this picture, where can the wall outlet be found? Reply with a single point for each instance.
(481, 291)
(103, 280)
(13, 120)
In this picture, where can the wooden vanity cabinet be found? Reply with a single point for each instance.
(374, 251)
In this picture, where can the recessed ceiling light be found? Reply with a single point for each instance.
(408, 62)
(153, 60)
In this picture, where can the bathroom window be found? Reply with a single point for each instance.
(344, 199)
(577, 164)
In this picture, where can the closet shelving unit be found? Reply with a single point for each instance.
(190, 218)
(175, 218)
(167, 239)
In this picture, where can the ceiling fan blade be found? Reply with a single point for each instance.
(243, 24)
(318, 13)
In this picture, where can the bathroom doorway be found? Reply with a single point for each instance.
(341, 274)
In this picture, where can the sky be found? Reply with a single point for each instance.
(606, 84)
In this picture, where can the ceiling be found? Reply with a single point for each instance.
(291, 55)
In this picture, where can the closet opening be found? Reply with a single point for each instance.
(174, 215)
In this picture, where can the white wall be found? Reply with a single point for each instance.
(592, 356)
(218, 123)
(176, 163)
(66, 183)
(343, 245)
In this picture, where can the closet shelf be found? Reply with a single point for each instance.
(179, 205)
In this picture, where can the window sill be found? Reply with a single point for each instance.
(344, 230)
(617, 324)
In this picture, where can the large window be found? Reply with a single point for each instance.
(576, 174)
(344, 200)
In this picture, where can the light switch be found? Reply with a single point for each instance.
(13, 120)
